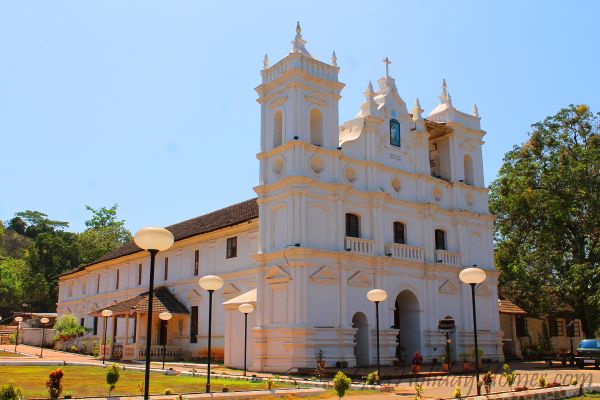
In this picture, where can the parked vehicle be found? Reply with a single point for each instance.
(588, 353)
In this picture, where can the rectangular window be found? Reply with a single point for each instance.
(134, 330)
(194, 325)
(95, 326)
(139, 274)
(196, 262)
(166, 269)
(440, 239)
(399, 233)
(521, 323)
(114, 330)
(231, 247)
(352, 226)
(576, 329)
(70, 290)
(98, 284)
(82, 322)
(117, 285)
(556, 327)
(84, 287)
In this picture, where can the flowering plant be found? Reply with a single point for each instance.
(417, 359)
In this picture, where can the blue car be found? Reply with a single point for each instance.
(588, 353)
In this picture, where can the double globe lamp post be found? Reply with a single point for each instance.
(210, 283)
(164, 316)
(245, 309)
(18, 320)
(474, 276)
(153, 240)
(106, 314)
(377, 296)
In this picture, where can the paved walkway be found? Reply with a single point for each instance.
(31, 353)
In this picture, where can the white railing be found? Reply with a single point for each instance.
(447, 257)
(404, 252)
(358, 245)
(156, 352)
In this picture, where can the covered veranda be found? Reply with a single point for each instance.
(166, 335)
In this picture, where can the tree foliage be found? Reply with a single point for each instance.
(547, 203)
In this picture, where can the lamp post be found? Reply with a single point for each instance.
(474, 276)
(377, 296)
(44, 321)
(105, 315)
(210, 283)
(153, 240)
(447, 327)
(245, 309)
(164, 316)
(571, 333)
(18, 320)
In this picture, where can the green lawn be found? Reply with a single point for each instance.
(91, 381)
(4, 354)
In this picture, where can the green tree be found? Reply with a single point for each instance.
(13, 274)
(68, 330)
(341, 383)
(104, 233)
(546, 200)
(32, 223)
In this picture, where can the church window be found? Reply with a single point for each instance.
(166, 276)
(117, 284)
(231, 247)
(399, 233)
(440, 239)
(468, 165)
(352, 225)
(316, 127)
(277, 128)
(139, 274)
(521, 325)
(196, 262)
(394, 132)
(194, 325)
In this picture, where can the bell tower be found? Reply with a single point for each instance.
(299, 99)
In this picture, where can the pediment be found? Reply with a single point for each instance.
(230, 291)
(324, 275)
(360, 279)
(278, 101)
(483, 290)
(277, 275)
(194, 294)
(314, 98)
(448, 287)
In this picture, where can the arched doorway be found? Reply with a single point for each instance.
(407, 321)
(361, 339)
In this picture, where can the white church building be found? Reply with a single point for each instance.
(390, 199)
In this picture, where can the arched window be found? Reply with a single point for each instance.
(316, 127)
(352, 225)
(394, 132)
(468, 164)
(277, 128)
(399, 231)
(440, 239)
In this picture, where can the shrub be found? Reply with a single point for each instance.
(68, 330)
(54, 384)
(12, 338)
(10, 392)
(270, 383)
(168, 391)
(542, 381)
(488, 381)
(73, 349)
(419, 389)
(113, 373)
(95, 350)
(341, 383)
(372, 378)
(417, 359)
(457, 393)
(509, 375)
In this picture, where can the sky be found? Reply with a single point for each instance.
(151, 104)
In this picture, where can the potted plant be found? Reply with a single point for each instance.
(445, 363)
(417, 360)
(467, 366)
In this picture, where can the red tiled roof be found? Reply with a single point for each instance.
(508, 307)
(223, 218)
(163, 300)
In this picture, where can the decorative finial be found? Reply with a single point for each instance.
(369, 107)
(387, 63)
(334, 59)
(266, 62)
(445, 97)
(369, 92)
(417, 110)
(298, 43)
(475, 110)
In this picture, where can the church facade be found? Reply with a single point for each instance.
(390, 199)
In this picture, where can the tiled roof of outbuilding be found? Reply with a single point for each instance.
(508, 307)
(163, 300)
(223, 218)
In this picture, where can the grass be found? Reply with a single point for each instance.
(91, 381)
(7, 354)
